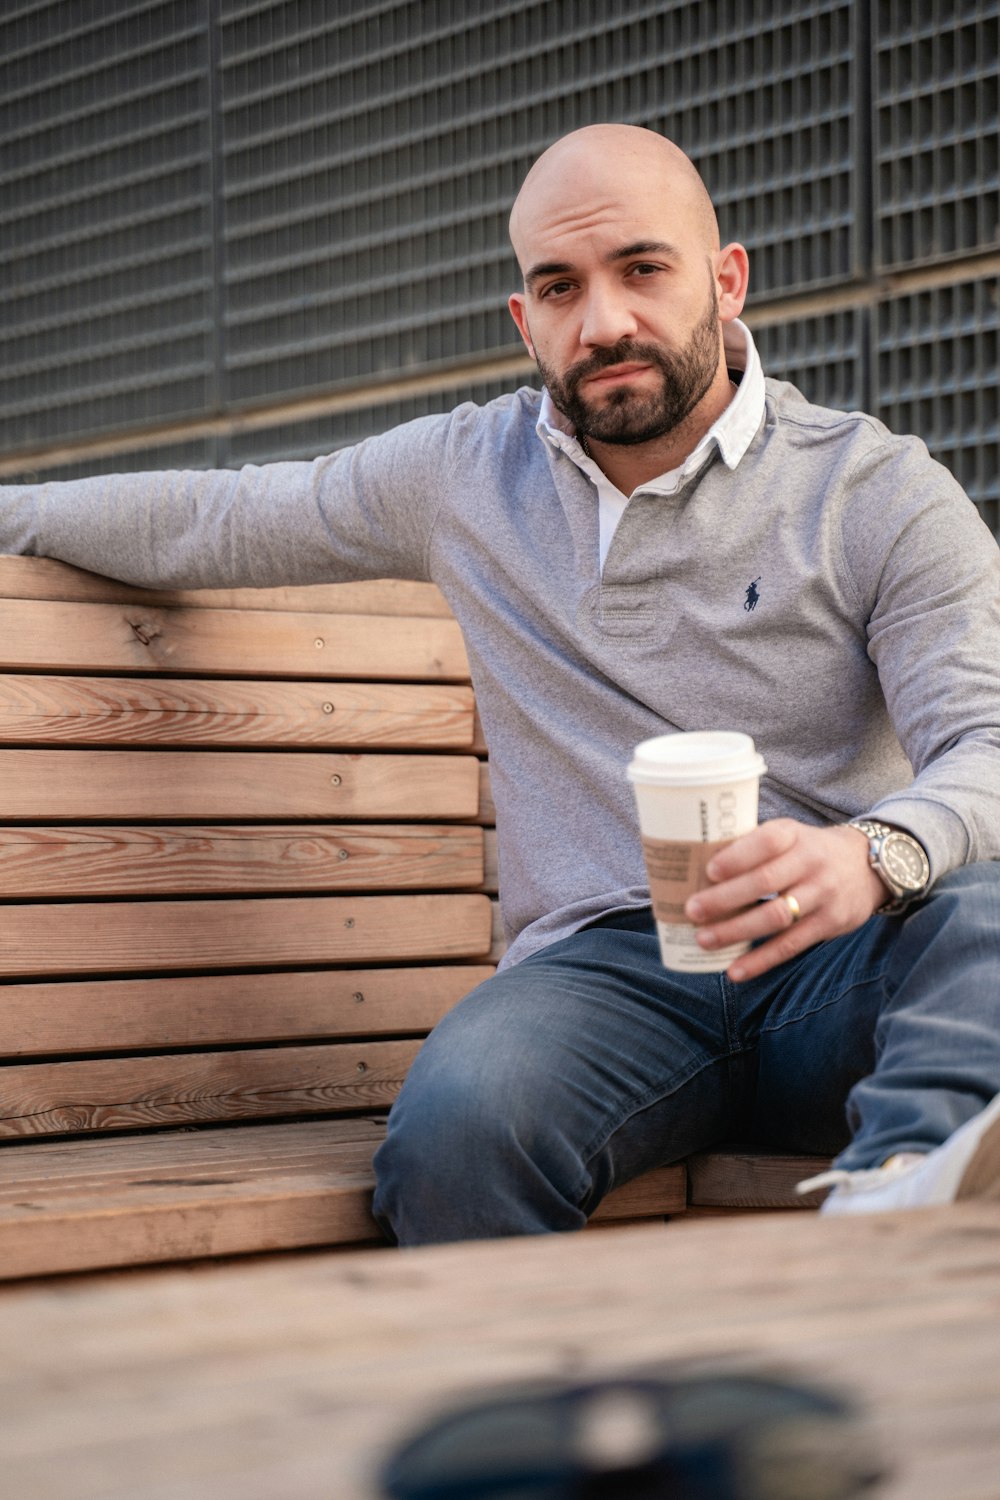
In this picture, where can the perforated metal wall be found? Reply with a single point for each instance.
(937, 129)
(199, 453)
(215, 206)
(326, 434)
(371, 155)
(106, 226)
(825, 356)
(939, 376)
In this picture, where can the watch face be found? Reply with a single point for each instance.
(905, 862)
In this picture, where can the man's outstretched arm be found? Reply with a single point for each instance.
(361, 512)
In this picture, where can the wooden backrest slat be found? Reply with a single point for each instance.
(108, 861)
(76, 939)
(43, 785)
(42, 709)
(44, 578)
(43, 635)
(204, 1010)
(132, 1093)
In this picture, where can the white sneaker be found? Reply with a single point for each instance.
(966, 1166)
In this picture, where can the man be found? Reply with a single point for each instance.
(599, 543)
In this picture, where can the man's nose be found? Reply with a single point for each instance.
(607, 317)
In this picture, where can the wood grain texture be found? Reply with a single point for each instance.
(53, 637)
(487, 807)
(655, 1195)
(118, 937)
(44, 578)
(199, 1010)
(135, 1093)
(46, 785)
(736, 1178)
(263, 1379)
(76, 1205)
(168, 1197)
(491, 872)
(83, 862)
(171, 711)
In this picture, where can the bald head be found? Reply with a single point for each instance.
(594, 169)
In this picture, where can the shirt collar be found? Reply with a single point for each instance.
(732, 432)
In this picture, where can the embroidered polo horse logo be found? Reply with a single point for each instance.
(752, 595)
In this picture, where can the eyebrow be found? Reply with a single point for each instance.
(624, 252)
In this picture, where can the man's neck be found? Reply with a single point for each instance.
(628, 466)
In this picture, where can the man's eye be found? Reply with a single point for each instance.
(644, 268)
(556, 288)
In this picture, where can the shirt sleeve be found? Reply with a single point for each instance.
(363, 512)
(927, 572)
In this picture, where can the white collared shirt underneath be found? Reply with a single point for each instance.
(732, 434)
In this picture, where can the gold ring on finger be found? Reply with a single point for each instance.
(794, 910)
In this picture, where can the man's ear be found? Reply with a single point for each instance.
(519, 313)
(732, 280)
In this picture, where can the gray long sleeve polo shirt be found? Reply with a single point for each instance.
(836, 596)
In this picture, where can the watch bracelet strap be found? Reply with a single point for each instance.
(873, 829)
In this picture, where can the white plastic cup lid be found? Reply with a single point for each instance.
(700, 758)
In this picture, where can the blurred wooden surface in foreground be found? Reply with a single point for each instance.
(290, 1378)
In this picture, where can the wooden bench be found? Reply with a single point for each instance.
(246, 862)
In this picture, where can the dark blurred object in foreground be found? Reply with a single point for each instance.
(704, 1437)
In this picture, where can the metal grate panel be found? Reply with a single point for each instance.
(937, 129)
(372, 154)
(769, 100)
(219, 205)
(823, 356)
(939, 376)
(309, 439)
(196, 454)
(105, 217)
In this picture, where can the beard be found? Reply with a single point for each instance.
(626, 416)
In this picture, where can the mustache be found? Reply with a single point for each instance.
(622, 353)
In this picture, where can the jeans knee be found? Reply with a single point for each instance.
(440, 1123)
(468, 1155)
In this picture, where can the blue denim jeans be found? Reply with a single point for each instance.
(588, 1063)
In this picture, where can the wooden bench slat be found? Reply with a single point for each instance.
(487, 809)
(732, 1178)
(134, 1093)
(491, 873)
(79, 1205)
(87, 1167)
(656, 1194)
(199, 1010)
(117, 937)
(44, 578)
(171, 711)
(169, 1223)
(55, 637)
(45, 785)
(43, 862)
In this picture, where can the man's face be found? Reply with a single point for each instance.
(625, 286)
(597, 394)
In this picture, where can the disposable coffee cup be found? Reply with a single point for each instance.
(695, 793)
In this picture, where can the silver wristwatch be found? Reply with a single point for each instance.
(900, 862)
